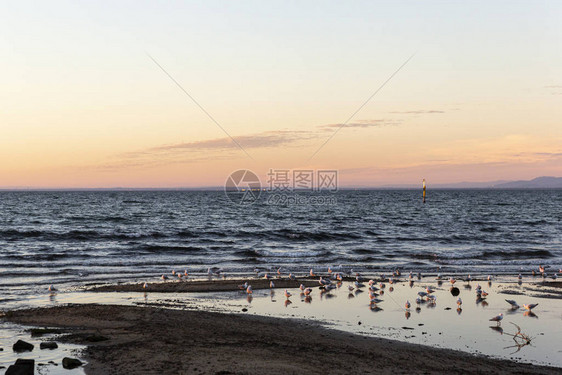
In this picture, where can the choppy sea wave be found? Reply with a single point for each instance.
(75, 238)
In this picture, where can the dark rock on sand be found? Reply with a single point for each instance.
(48, 345)
(38, 332)
(455, 291)
(22, 346)
(70, 363)
(22, 367)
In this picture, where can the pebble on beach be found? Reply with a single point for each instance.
(48, 345)
(70, 363)
(22, 367)
(22, 346)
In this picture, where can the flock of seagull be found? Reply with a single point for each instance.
(336, 276)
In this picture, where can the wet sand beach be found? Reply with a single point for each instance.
(211, 327)
(148, 340)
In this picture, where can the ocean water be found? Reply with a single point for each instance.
(74, 239)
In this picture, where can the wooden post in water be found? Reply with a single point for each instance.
(424, 190)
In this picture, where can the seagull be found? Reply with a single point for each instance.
(513, 304)
(311, 273)
(145, 285)
(291, 276)
(407, 304)
(287, 294)
(164, 277)
(497, 318)
(438, 277)
(185, 273)
(519, 277)
(324, 281)
(418, 300)
(243, 286)
(489, 277)
(307, 291)
(541, 269)
(330, 287)
(271, 284)
(375, 300)
(350, 288)
(469, 278)
(429, 290)
(422, 294)
(301, 287)
(459, 302)
(452, 280)
(279, 271)
(359, 285)
(52, 288)
(530, 306)
(249, 289)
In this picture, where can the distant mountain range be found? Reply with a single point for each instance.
(544, 182)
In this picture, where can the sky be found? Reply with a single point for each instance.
(89, 95)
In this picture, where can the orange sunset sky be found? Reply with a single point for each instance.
(83, 105)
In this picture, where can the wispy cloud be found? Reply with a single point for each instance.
(363, 124)
(418, 112)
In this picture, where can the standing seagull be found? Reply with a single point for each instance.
(513, 304)
(530, 306)
(287, 294)
(52, 288)
(459, 302)
(497, 319)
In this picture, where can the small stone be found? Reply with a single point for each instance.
(48, 345)
(22, 346)
(244, 309)
(22, 367)
(70, 363)
(359, 323)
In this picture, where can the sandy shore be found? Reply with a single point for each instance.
(148, 340)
